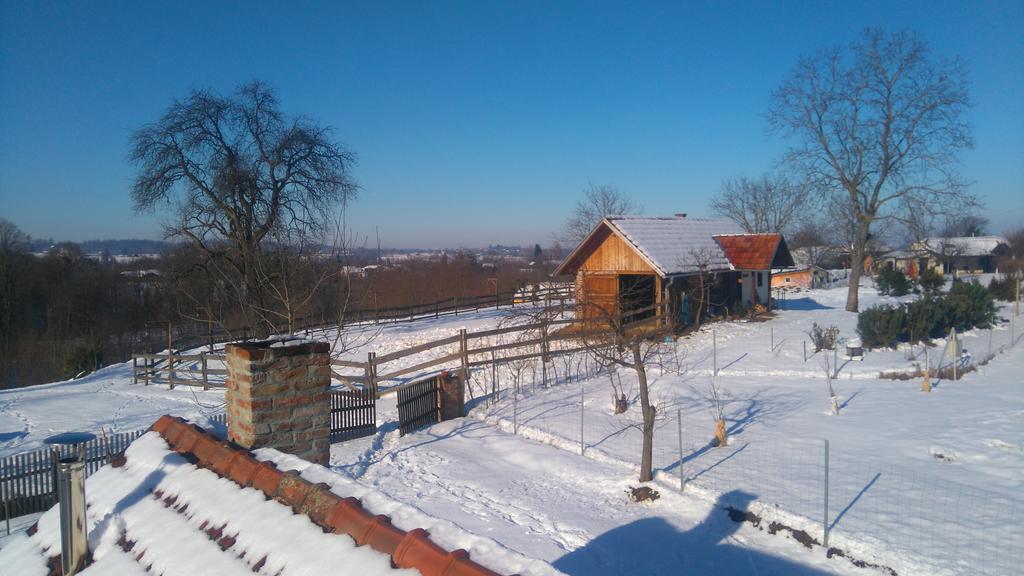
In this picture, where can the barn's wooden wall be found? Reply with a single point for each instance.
(615, 255)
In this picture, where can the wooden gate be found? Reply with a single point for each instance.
(353, 414)
(419, 405)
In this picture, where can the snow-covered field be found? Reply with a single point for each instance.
(920, 483)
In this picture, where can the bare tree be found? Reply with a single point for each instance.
(597, 202)
(237, 169)
(771, 203)
(621, 341)
(879, 126)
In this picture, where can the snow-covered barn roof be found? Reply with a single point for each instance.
(181, 501)
(682, 245)
(963, 246)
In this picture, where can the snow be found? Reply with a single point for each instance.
(171, 540)
(964, 246)
(921, 483)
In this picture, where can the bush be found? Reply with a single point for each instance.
(82, 359)
(931, 281)
(882, 326)
(968, 305)
(924, 320)
(823, 338)
(892, 282)
(1004, 288)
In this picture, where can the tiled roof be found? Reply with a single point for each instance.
(962, 246)
(181, 501)
(751, 251)
(676, 245)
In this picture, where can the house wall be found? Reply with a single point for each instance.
(796, 279)
(752, 293)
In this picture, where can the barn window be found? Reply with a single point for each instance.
(787, 279)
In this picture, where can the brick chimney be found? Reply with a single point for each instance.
(278, 397)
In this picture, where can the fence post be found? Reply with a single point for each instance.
(835, 360)
(494, 378)
(515, 411)
(464, 358)
(145, 374)
(170, 368)
(805, 350)
(582, 402)
(772, 331)
(135, 366)
(202, 360)
(455, 304)
(825, 539)
(682, 480)
(714, 350)
(544, 355)
(371, 373)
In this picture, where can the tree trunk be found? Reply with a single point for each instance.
(646, 455)
(857, 266)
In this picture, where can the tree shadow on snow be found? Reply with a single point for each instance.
(653, 546)
(805, 303)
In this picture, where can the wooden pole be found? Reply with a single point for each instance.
(135, 367)
(464, 358)
(170, 353)
(371, 373)
(202, 360)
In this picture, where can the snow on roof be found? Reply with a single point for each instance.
(964, 246)
(675, 245)
(155, 511)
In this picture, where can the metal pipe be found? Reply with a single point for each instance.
(825, 539)
(71, 494)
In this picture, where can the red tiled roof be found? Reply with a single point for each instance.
(331, 513)
(411, 549)
(750, 251)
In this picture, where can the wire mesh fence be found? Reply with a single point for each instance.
(889, 516)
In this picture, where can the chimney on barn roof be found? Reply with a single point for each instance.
(680, 214)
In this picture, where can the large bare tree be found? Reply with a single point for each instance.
(237, 170)
(771, 203)
(879, 125)
(597, 202)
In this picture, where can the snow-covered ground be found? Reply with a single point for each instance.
(921, 483)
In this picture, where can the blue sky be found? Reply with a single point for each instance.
(473, 122)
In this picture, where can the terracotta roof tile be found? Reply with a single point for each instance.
(750, 251)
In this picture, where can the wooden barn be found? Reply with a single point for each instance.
(631, 263)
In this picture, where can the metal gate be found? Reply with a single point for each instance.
(419, 405)
(353, 414)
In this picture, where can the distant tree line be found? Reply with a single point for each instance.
(63, 314)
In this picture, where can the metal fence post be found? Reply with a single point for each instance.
(582, 401)
(825, 539)
(805, 350)
(682, 479)
(772, 331)
(515, 411)
(714, 350)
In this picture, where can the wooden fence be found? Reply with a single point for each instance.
(464, 351)
(526, 341)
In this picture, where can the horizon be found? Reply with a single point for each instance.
(472, 124)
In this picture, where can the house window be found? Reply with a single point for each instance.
(787, 279)
(760, 279)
